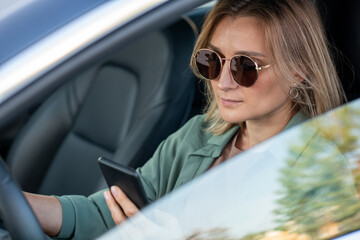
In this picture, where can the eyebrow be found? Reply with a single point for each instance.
(248, 53)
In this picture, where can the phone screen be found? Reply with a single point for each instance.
(125, 178)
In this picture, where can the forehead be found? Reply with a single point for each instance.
(239, 34)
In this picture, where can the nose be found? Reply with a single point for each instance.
(226, 80)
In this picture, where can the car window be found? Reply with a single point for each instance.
(302, 184)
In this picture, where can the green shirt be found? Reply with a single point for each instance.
(181, 157)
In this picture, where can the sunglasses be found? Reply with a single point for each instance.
(244, 69)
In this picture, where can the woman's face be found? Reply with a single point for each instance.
(266, 99)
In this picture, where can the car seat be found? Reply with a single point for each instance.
(120, 109)
(342, 22)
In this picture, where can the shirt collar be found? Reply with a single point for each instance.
(216, 143)
(298, 118)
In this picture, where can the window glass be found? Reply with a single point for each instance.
(302, 184)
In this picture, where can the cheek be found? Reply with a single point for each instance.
(213, 84)
(267, 90)
(214, 88)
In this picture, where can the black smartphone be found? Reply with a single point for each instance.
(125, 178)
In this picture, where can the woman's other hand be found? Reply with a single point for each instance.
(119, 205)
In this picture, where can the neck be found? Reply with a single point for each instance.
(258, 130)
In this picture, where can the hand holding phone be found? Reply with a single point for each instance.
(126, 179)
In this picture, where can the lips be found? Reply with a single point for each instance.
(229, 102)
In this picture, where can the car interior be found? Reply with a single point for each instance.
(341, 23)
(126, 104)
(120, 109)
(123, 107)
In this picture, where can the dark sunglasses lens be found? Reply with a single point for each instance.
(243, 70)
(208, 64)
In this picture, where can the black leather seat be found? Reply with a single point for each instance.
(120, 109)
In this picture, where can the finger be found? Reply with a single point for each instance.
(116, 212)
(125, 203)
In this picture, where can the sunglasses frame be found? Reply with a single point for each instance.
(222, 61)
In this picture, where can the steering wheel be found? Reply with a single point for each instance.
(17, 215)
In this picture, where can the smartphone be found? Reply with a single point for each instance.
(125, 178)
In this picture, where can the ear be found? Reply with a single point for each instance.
(300, 74)
(299, 77)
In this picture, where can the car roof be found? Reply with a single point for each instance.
(24, 22)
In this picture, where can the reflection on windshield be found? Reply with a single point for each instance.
(301, 185)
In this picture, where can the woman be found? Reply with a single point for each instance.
(266, 66)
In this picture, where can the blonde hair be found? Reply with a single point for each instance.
(296, 43)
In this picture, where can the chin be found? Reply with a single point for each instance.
(232, 117)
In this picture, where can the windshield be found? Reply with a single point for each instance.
(303, 184)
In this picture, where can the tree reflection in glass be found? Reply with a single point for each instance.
(319, 196)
